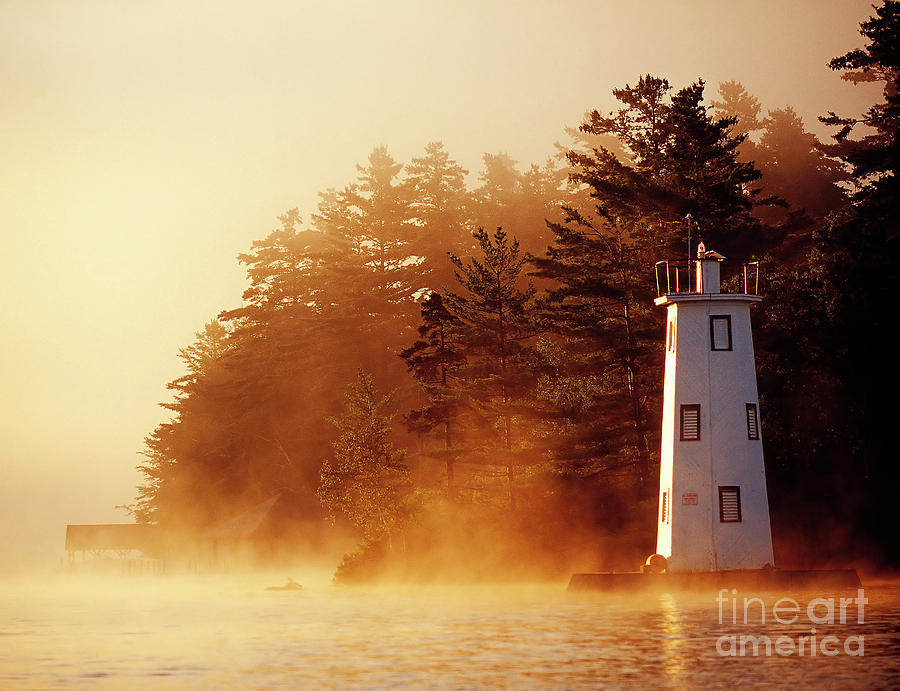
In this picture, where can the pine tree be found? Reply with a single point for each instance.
(368, 480)
(745, 110)
(440, 205)
(181, 452)
(679, 169)
(494, 311)
(795, 167)
(601, 306)
(240, 431)
(874, 156)
(434, 360)
(373, 275)
(520, 202)
(854, 269)
(704, 171)
(285, 268)
(680, 162)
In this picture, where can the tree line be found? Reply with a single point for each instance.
(471, 376)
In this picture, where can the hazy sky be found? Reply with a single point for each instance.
(145, 144)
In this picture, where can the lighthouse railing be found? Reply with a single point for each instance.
(751, 278)
(674, 276)
(677, 277)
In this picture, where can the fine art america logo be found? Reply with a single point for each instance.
(787, 615)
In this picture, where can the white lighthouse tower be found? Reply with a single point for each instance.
(713, 507)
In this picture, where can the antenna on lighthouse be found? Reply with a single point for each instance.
(689, 218)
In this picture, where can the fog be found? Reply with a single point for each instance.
(226, 631)
(146, 145)
(338, 428)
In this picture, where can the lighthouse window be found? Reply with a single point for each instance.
(672, 336)
(730, 504)
(665, 507)
(720, 331)
(690, 422)
(752, 421)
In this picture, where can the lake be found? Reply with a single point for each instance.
(71, 631)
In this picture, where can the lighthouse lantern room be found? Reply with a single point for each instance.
(713, 507)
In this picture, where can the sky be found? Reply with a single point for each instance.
(146, 144)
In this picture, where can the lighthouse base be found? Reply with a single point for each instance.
(749, 579)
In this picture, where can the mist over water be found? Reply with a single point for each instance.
(79, 630)
(438, 454)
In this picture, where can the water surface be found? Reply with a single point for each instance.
(216, 631)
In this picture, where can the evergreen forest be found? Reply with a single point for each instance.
(462, 370)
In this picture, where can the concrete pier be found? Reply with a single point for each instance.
(745, 579)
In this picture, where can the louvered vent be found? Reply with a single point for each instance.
(752, 421)
(690, 422)
(730, 504)
(720, 331)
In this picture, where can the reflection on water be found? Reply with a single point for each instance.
(673, 648)
(214, 631)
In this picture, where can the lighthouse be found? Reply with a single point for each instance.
(713, 507)
(713, 515)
